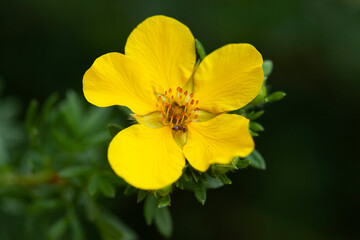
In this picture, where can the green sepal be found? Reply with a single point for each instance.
(254, 134)
(141, 195)
(254, 115)
(129, 190)
(200, 49)
(256, 127)
(163, 191)
(163, 201)
(267, 67)
(243, 163)
(225, 179)
(276, 96)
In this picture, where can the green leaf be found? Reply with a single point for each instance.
(150, 209)
(213, 183)
(114, 129)
(163, 222)
(129, 190)
(256, 160)
(92, 186)
(267, 67)
(75, 226)
(163, 202)
(141, 195)
(91, 208)
(49, 104)
(200, 49)
(225, 179)
(74, 171)
(256, 127)
(112, 228)
(31, 114)
(276, 96)
(106, 187)
(200, 192)
(58, 229)
(72, 110)
(243, 163)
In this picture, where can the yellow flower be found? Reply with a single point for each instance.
(180, 106)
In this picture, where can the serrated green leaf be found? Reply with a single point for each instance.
(58, 229)
(276, 96)
(141, 195)
(256, 160)
(74, 171)
(114, 129)
(150, 209)
(256, 127)
(200, 49)
(267, 67)
(163, 202)
(163, 222)
(200, 192)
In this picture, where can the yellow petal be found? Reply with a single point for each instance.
(114, 79)
(146, 158)
(228, 78)
(166, 49)
(217, 141)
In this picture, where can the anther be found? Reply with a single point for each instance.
(197, 102)
(170, 91)
(159, 98)
(185, 93)
(191, 95)
(180, 90)
(165, 93)
(192, 102)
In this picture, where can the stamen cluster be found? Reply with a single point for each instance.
(177, 108)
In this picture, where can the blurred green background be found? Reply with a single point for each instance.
(310, 189)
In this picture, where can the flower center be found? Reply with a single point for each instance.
(177, 109)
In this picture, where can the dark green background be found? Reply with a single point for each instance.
(311, 187)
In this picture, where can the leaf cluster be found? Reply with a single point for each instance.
(55, 185)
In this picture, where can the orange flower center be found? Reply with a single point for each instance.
(177, 108)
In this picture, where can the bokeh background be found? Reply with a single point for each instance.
(310, 189)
